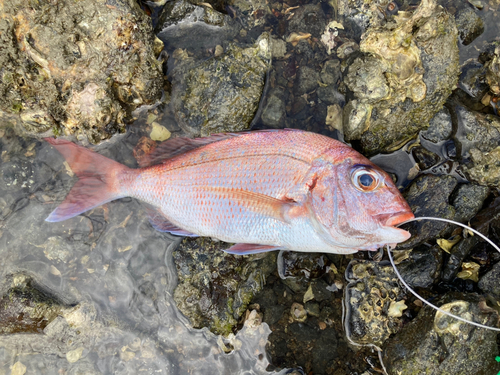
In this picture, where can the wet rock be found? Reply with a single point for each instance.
(307, 80)
(251, 12)
(429, 195)
(458, 253)
(330, 95)
(493, 71)
(440, 127)
(274, 110)
(28, 307)
(406, 72)
(319, 290)
(221, 94)
(268, 302)
(435, 343)
(203, 26)
(312, 308)
(468, 200)
(489, 282)
(328, 88)
(425, 158)
(469, 25)
(297, 269)
(215, 287)
(422, 268)
(472, 81)
(325, 351)
(373, 288)
(92, 63)
(485, 168)
(330, 74)
(487, 221)
(476, 131)
(309, 19)
(325, 341)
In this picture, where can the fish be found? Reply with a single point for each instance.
(261, 190)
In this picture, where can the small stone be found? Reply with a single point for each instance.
(218, 50)
(18, 369)
(126, 355)
(396, 309)
(74, 355)
(298, 313)
(278, 48)
(334, 117)
(159, 133)
(307, 80)
(469, 271)
(274, 110)
(309, 295)
(312, 308)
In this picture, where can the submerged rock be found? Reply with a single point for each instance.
(78, 67)
(27, 306)
(251, 13)
(435, 343)
(181, 21)
(215, 287)
(408, 69)
(221, 94)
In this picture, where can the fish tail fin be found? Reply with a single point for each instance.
(97, 183)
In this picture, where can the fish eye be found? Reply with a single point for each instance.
(365, 179)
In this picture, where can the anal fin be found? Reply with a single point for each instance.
(250, 248)
(162, 224)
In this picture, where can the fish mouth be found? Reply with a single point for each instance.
(394, 219)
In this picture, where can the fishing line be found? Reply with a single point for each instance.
(389, 250)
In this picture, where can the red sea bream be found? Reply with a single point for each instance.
(263, 190)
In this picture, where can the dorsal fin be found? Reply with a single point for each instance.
(176, 146)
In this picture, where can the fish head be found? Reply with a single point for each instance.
(357, 204)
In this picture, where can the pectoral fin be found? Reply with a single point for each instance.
(255, 202)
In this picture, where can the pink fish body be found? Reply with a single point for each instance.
(267, 190)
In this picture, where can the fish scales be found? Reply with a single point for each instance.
(243, 164)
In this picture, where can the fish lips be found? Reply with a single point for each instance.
(394, 218)
(389, 231)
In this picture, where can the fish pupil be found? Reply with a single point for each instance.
(366, 180)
